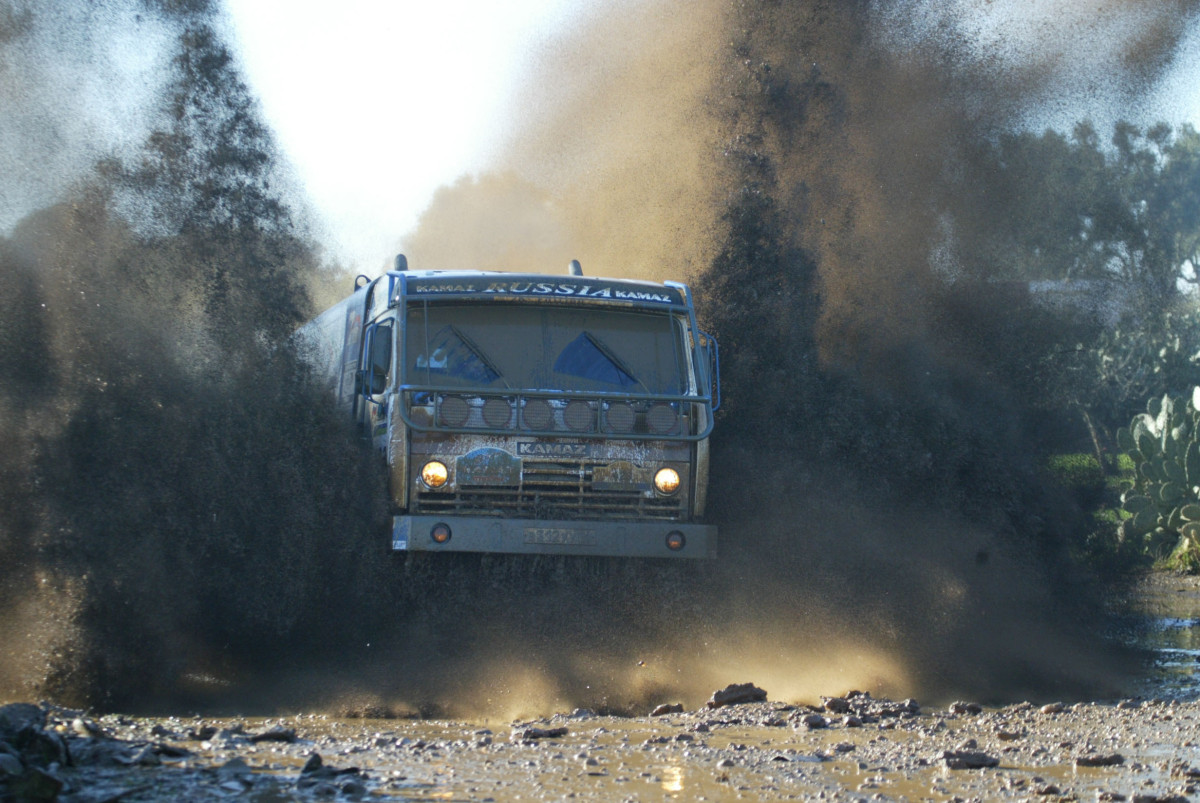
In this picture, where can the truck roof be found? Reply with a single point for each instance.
(516, 286)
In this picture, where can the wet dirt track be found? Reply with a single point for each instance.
(854, 747)
(1144, 750)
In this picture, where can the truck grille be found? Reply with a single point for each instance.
(553, 490)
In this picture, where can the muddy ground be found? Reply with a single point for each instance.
(862, 749)
(742, 744)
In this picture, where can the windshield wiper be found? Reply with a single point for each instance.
(613, 358)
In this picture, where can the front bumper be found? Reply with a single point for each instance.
(632, 539)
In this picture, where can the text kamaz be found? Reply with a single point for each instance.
(530, 413)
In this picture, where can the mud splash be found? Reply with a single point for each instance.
(614, 161)
(157, 430)
(876, 465)
(882, 524)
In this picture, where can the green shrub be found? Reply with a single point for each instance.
(1075, 470)
(1185, 557)
(1163, 499)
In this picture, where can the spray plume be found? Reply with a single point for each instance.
(156, 426)
(800, 162)
(803, 164)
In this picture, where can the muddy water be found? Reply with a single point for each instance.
(1163, 617)
(762, 751)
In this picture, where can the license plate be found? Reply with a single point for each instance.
(558, 536)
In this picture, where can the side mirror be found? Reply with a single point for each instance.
(377, 354)
(370, 382)
(712, 352)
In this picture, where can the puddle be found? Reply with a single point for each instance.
(1165, 620)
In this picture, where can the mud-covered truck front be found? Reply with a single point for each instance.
(518, 413)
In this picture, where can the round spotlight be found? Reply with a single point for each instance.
(537, 414)
(440, 533)
(666, 480)
(579, 415)
(497, 413)
(675, 541)
(620, 417)
(453, 411)
(662, 419)
(434, 474)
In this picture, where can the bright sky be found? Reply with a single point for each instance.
(375, 103)
(379, 103)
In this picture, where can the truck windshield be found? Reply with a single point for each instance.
(544, 348)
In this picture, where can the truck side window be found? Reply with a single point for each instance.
(380, 358)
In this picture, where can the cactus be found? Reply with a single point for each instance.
(1163, 502)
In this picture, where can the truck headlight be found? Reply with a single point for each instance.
(666, 480)
(434, 474)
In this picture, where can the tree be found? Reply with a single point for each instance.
(1054, 207)
(1153, 231)
(207, 192)
(173, 488)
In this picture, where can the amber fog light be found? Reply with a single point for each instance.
(434, 474)
(666, 480)
(675, 540)
(441, 533)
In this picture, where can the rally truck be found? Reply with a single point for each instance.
(529, 413)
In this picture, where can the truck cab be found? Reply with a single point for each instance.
(527, 413)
